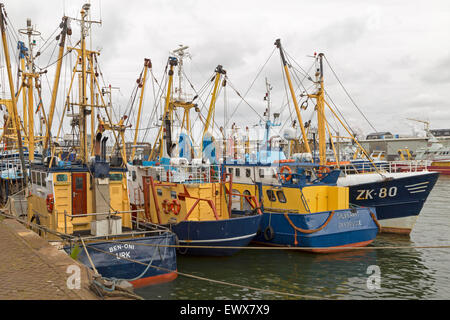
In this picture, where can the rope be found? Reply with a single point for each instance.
(375, 220)
(288, 248)
(89, 257)
(116, 280)
(309, 231)
(216, 281)
(254, 80)
(346, 92)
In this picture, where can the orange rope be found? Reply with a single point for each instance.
(309, 231)
(375, 220)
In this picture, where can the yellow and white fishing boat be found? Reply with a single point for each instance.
(78, 196)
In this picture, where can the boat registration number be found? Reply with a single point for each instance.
(371, 194)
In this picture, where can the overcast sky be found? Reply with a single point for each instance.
(393, 57)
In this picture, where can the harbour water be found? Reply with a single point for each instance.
(411, 273)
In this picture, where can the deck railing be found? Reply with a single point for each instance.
(189, 174)
(385, 166)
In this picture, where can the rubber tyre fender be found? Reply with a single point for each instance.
(269, 234)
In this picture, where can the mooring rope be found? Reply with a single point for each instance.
(283, 248)
(306, 230)
(215, 281)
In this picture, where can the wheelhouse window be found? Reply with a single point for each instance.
(238, 172)
(173, 194)
(33, 176)
(159, 192)
(44, 176)
(247, 173)
(61, 177)
(115, 177)
(38, 178)
(271, 195)
(261, 173)
(246, 204)
(133, 175)
(79, 182)
(281, 196)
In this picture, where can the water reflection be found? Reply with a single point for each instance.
(405, 273)
(331, 276)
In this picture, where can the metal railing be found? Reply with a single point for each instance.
(108, 214)
(386, 167)
(189, 174)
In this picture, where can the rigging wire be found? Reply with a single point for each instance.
(346, 92)
(257, 75)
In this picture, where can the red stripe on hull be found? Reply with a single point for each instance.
(345, 247)
(324, 250)
(443, 170)
(404, 231)
(162, 278)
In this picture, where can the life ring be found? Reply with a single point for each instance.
(269, 234)
(166, 206)
(50, 202)
(323, 171)
(283, 177)
(212, 173)
(175, 207)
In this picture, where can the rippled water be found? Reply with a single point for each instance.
(405, 273)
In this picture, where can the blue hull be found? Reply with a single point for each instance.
(113, 264)
(351, 227)
(397, 198)
(234, 232)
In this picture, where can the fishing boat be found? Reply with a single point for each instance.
(397, 196)
(185, 193)
(435, 154)
(82, 202)
(300, 206)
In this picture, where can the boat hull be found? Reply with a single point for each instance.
(398, 201)
(440, 166)
(345, 228)
(234, 232)
(119, 260)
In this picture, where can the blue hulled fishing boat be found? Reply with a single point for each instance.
(184, 193)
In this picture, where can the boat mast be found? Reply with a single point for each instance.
(172, 63)
(219, 72)
(319, 96)
(28, 76)
(82, 103)
(141, 84)
(294, 99)
(12, 91)
(65, 31)
(267, 114)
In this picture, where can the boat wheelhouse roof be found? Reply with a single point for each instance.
(275, 164)
(72, 168)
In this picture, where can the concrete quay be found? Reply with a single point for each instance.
(33, 269)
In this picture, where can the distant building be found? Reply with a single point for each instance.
(379, 135)
(440, 132)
